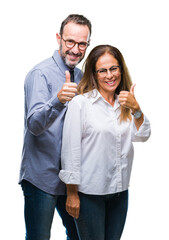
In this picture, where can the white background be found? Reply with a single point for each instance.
(140, 30)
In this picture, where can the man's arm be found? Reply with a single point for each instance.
(42, 110)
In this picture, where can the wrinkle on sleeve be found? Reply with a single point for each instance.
(71, 145)
(144, 132)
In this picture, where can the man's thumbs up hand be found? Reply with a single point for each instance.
(67, 74)
(68, 90)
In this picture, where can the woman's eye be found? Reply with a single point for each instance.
(103, 70)
(113, 69)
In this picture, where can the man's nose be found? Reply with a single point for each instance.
(75, 49)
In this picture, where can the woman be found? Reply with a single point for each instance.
(97, 151)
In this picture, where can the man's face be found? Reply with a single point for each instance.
(73, 32)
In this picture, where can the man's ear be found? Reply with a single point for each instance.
(58, 37)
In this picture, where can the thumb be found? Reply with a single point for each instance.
(67, 74)
(132, 89)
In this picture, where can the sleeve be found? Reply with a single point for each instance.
(71, 145)
(144, 132)
(41, 109)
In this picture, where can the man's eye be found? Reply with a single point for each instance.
(70, 41)
(82, 44)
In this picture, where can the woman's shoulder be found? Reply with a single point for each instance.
(81, 99)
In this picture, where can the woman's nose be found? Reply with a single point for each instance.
(109, 74)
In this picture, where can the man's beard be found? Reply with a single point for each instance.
(68, 52)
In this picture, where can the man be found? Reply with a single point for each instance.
(48, 90)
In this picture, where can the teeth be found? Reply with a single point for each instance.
(110, 82)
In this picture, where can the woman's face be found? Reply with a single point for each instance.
(108, 74)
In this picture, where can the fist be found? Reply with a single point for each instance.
(73, 205)
(127, 99)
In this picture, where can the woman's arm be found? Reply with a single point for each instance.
(128, 100)
(71, 145)
(73, 201)
(138, 122)
(71, 156)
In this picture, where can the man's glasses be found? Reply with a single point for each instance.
(71, 43)
(103, 71)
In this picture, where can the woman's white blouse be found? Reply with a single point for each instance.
(97, 150)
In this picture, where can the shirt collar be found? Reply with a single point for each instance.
(59, 61)
(95, 95)
(61, 64)
(63, 67)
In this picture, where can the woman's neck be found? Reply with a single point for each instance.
(109, 97)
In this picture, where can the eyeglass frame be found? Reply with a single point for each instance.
(109, 69)
(87, 44)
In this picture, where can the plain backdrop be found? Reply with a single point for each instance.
(140, 30)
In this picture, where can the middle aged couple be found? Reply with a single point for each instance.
(78, 141)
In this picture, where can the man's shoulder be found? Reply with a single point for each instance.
(76, 69)
(44, 65)
(78, 74)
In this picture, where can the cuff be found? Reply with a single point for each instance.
(57, 104)
(69, 177)
(144, 131)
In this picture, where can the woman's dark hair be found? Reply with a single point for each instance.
(89, 80)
